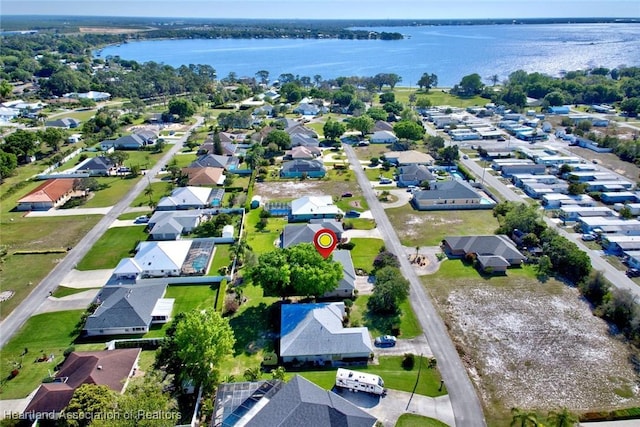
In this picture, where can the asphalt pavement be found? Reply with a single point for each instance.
(12, 323)
(464, 399)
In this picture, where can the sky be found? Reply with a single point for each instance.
(329, 9)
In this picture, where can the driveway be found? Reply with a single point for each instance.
(79, 301)
(417, 346)
(372, 234)
(388, 409)
(86, 279)
(403, 197)
(70, 212)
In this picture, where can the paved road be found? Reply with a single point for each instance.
(616, 277)
(20, 314)
(464, 400)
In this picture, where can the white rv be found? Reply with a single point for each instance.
(359, 381)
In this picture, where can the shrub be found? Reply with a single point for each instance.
(68, 351)
(408, 361)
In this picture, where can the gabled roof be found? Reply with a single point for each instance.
(97, 163)
(294, 234)
(215, 161)
(414, 173)
(493, 245)
(124, 306)
(187, 196)
(302, 403)
(304, 140)
(162, 255)
(303, 165)
(382, 125)
(205, 176)
(348, 281)
(108, 367)
(49, 191)
(303, 152)
(66, 122)
(172, 222)
(383, 135)
(453, 189)
(316, 329)
(127, 266)
(314, 205)
(409, 157)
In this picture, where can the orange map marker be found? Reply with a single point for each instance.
(325, 241)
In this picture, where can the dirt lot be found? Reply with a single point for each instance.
(274, 190)
(536, 346)
(609, 161)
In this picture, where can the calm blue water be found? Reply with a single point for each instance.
(450, 52)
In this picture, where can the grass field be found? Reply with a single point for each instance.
(381, 325)
(361, 223)
(159, 190)
(221, 259)
(20, 273)
(413, 420)
(428, 228)
(365, 252)
(438, 96)
(48, 334)
(374, 174)
(116, 243)
(262, 241)
(109, 196)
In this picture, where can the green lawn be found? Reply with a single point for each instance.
(383, 325)
(428, 228)
(393, 374)
(262, 241)
(159, 190)
(438, 97)
(116, 243)
(20, 273)
(221, 259)
(63, 291)
(364, 252)
(413, 420)
(374, 174)
(357, 202)
(361, 223)
(49, 334)
(117, 188)
(373, 150)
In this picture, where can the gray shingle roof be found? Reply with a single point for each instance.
(302, 403)
(294, 234)
(125, 306)
(98, 163)
(499, 245)
(214, 161)
(453, 189)
(414, 173)
(302, 165)
(316, 329)
(348, 281)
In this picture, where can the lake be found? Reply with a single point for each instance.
(450, 52)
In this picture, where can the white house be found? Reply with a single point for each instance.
(313, 207)
(383, 137)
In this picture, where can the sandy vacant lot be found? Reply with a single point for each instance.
(293, 189)
(533, 345)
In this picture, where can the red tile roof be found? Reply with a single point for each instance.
(49, 191)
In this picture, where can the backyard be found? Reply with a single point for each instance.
(530, 344)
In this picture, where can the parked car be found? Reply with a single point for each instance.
(386, 181)
(385, 341)
(352, 214)
(633, 272)
(141, 219)
(588, 237)
(347, 194)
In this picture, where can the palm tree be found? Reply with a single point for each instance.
(252, 374)
(563, 418)
(523, 418)
(149, 192)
